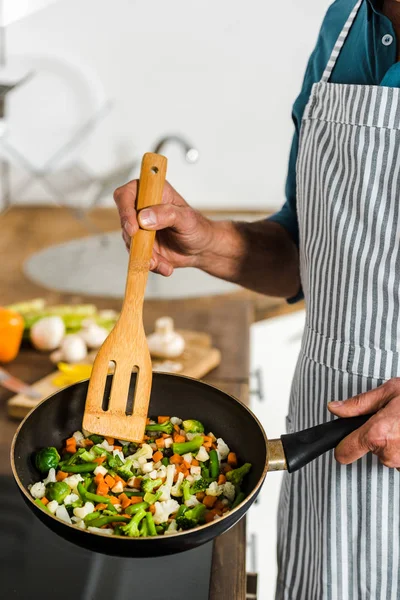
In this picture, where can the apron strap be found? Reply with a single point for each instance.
(339, 42)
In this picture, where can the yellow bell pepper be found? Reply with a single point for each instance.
(69, 374)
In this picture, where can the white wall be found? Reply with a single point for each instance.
(223, 73)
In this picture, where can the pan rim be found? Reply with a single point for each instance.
(158, 537)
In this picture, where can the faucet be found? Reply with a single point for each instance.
(191, 154)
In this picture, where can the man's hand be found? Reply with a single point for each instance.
(381, 433)
(259, 255)
(183, 234)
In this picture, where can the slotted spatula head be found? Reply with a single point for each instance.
(126, 345)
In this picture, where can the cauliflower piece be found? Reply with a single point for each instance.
(119, 454)
(70, 499)
(176, 489)
(52, 506)
(172, 528)
(195, 471)
(202, 454)
(100, 469)
(161, 472)
(214, 489)
(79, 438)
(188, 457)
(118, 488)
(191, 502)
(157, 465)
(62, 514)
(38, 490)
(229, 491)
(78, 522)
(131, 483)
(51, 477)
(164, 509)
(191, 436)
(146, 451)
(104, 444)
(83, 511)
(168, 442)
(190, 478)
(100, 530)
(148, 467)
(153, 474)
(73, 480)
(222, 449)
(169, 482)
(212, 436)
(176, 421)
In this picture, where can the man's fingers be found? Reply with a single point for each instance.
(364, 404)
(125, 199)
(353, 447)
(163, 216)
(160, 265)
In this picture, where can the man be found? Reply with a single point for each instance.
(336, 241)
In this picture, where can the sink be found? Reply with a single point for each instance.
(97, 266)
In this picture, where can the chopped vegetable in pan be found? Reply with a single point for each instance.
(177, 479)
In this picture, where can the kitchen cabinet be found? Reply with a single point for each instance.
(274, 348)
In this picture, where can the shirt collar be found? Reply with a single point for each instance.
(376, 5)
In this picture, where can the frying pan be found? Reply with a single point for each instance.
(58, 416)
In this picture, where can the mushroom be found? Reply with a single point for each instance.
(165, 342)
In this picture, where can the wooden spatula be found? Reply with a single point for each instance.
(126, 345)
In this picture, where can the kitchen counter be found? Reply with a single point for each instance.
(227, 318)
(39, 227)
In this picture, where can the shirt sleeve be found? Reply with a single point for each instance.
(330, 29)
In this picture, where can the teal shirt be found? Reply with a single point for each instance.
(366, 58)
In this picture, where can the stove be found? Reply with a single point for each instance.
(36, 563)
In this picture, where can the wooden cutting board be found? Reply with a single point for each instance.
(198, 359)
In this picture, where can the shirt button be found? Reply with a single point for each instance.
(387, 39)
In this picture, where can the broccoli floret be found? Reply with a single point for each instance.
(161, 427)
(191, 518)
(152, 498)
(131, 529)
(193, 426)
(185, 447)
(236, 475)
(148, 485)
(124, 472)
(146, 451)
(185, 487)
(200, 485)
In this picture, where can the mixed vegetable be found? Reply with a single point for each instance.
(177, 479)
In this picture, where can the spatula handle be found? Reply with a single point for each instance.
(151, 185)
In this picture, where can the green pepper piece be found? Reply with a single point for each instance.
(134, 508)
(85, 495)
(159, 529)
(205, 472)
(101, 521)
(151, 526)
(130, 494)
(84, 468)
(43, 506)
(96, 439)
(214, 464)
(91, 516)
(165, 461)
(239, 498)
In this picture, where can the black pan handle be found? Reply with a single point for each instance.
(304, 446)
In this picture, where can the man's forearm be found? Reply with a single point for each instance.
(260, 256)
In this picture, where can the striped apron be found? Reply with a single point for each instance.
(339, 530)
